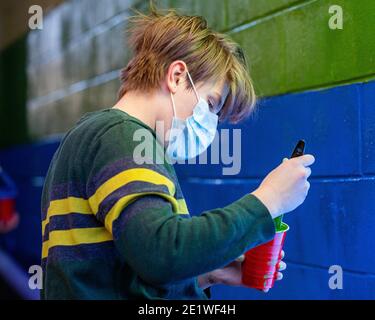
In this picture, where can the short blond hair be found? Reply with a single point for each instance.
(157, 39)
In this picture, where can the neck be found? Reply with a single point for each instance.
(148, 108)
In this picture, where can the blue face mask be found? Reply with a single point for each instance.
(189, 138)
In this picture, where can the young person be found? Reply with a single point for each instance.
(118, 228)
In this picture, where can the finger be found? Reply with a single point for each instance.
(281, 266)
(279, 276)
(273, 262)
(306, 160)
(307, 187)
(308, 172)
(241, 258)
(266, 290)
(282, 254)
(285, 159)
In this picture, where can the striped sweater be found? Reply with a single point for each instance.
(116, 229)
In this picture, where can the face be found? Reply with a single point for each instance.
(185, 100)
(213, 93)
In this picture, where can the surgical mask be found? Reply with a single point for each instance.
(189, 138)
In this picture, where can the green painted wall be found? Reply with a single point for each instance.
(296, 50)
(289, 44)
(73, 64)
(13, 88)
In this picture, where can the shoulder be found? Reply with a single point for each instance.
(119, 135)
(122, 143)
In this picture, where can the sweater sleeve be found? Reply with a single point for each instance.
(163, 247)
(140, 206)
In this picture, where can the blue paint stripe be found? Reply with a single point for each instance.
(329, 121)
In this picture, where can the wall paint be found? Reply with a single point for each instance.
(335, 224)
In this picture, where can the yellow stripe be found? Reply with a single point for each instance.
(83, 206)
(127, 176)
(182, 207)
(96, 235)
(116, 210)
(78, 205)
(74, 237)
(66, 206)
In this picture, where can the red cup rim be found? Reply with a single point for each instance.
(284, 227)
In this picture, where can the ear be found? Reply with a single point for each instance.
(176, 75)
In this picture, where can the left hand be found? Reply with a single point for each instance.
(231, 274)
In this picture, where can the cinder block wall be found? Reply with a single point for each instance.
(316, 84)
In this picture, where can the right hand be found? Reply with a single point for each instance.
(286, 187)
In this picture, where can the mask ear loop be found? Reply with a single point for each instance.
(173, 105)
(192, 83)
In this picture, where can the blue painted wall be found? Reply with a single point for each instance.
(335, 224)
(333, 227)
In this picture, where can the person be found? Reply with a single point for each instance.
(115, 223)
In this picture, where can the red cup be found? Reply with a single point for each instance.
(259, 270)
(7, 209)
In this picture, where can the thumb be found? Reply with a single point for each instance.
(306, 160)
(241, 258)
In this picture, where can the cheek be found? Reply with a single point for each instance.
(185, 105)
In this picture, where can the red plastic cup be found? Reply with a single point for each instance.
(259, 270)
(7, 209)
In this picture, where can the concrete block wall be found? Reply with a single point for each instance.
(334, 226)
(316, 84)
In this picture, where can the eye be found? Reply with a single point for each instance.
(211, 105)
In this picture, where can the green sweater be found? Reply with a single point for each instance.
(114, 228)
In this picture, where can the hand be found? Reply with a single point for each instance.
(286, 187)
(281, 267)
(231, 275)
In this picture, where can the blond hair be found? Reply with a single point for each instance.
(158, 39)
